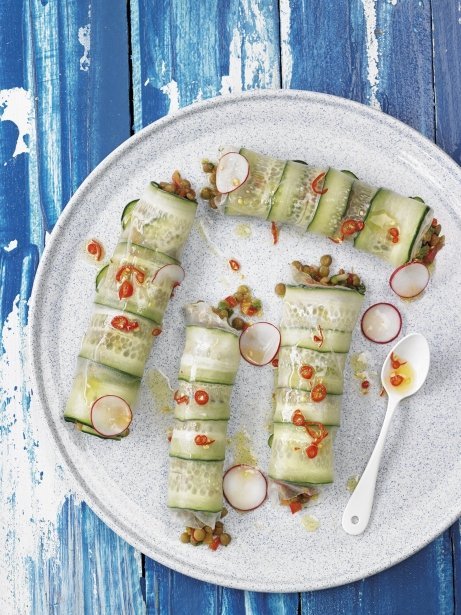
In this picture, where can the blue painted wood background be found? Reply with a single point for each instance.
(77, 77)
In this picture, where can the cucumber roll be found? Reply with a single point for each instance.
(132, 294)
(316, 329)
(207, 370)
(325, 201)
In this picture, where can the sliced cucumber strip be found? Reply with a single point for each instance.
(124, 350)
(391, 210)
(360, 198)
(334, 341)
(216, 408)
(100, 276)
(332, 204)
(150, 298)
(184, 440)
(195, 485)
(210, 355)
(289, 461)
(328, 369)
(330, 307)
(160, 221)
(126, 214)
(92, 381)
(294, 201)
(287, 401)
(254, 196)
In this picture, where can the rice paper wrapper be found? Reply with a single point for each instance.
(196, 518)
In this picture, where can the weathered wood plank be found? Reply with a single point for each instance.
(183, 52)
(64, 105)
(446, 19)
(380, 53)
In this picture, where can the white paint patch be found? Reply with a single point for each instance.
(84, 38)
(172, 91)
(32, 488)
(147, 81)
(16, 106)
(369, 9)
(11, 246)
(393, 2)
(233, 81)
(285, 31)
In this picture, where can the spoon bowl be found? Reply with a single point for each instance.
(413, 349)
(413, 353)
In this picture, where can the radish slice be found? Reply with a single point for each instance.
(409, 280)
(245, 487)
(260, 343)
(381, 323)
(110, 415)
(169, 273)
(232, 172)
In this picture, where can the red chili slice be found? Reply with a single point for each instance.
(349, 227)
(126, 290)
(180, 399)
(365, 384)
(275, 233)
(394, 232)
(295, 507)
(315, 182)
(156, 331)
(396, 362)
(94, 248)
(119, 322)
(202, 440)
(231, 301)
(312, 451)
(127, 270)
(251, 311)
(298, 418)
(306, 372)
(319, 339)
(234, 265)
(201, 397)
(319, 392)
(275, 362)
(316, 431)
(215, 544)
(396, 380)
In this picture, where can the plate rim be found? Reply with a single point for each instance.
(101, 509)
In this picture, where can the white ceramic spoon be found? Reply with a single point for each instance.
(415, 350)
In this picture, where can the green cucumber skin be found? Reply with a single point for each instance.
(196, 458)
(323, 222)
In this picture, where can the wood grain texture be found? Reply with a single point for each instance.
(64, 105)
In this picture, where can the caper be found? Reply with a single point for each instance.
(170, 188)
(190, 195)
(280, 289)
(434, 240)
(206, 194)
(324, 271)
(307, 269)
(190, 530)
(193, 541)
(244, 289)
(208, 539)
(297, 265)
(238, 324)
(207, 166)
(325, 280)
(212, 204)
(218, 531)
(208, 529)
(225, 539)
(199, 534)
(219, 524)
(223, 314)
(224, 512)
(355, 280)
(340, 272)
(185, 537)
(185, 183)
(239, 296)
(326, 260)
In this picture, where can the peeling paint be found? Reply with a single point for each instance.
(171, 90)
(287, 55)
(84, 39)
(369, 9)
(16, 106)
(11, 246)
(31, 493)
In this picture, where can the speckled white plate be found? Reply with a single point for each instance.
(419, 491)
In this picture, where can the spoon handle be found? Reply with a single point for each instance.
(358, 510)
